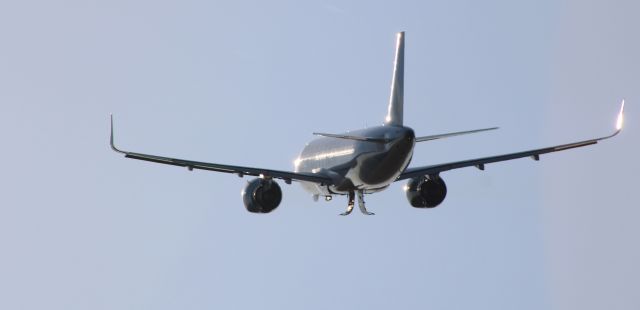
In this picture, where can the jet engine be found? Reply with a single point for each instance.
(426, 192)
(261, 195)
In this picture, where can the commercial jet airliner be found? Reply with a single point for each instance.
(361, 162)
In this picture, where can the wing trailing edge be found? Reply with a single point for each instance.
(241, 171)
(534, 154)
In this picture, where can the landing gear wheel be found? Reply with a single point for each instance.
(352, 202)
(363, 209)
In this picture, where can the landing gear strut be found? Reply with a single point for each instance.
(352, 203)
(363, 209)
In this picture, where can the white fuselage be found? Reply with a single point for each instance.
(357, 165)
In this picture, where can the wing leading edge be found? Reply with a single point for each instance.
(480, 162)
(239, 170)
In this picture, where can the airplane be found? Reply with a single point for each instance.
(361, 162)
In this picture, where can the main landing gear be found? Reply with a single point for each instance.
(351, 204)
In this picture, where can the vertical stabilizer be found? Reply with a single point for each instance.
(396, 101)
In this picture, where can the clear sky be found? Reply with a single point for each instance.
(247, 82)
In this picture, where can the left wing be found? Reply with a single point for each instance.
(239, 170)
(480, 162)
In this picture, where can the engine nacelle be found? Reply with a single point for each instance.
(261, 195)
(426, 192)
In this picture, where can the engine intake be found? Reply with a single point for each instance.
(261, 195)
(426, 192)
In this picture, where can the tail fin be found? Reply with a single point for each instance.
(396, 101)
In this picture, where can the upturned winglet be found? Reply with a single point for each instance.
(619, 122)
(113, 146)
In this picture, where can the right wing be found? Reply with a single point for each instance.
(480, 162)
(239, 170)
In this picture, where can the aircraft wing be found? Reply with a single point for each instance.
(239, 170)
(480, 162)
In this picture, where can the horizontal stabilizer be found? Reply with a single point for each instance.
(357, 138)
(452, 134)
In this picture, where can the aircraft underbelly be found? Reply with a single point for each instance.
(372, 172)
(355, 165)
(377, 171)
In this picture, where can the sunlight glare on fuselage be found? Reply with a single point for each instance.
(326, 155)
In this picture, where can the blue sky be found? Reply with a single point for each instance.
(247, 82)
